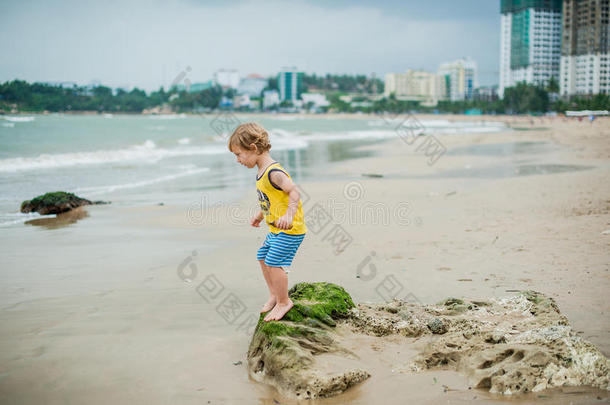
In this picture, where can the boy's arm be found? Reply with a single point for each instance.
(285, 183)
(256, 219)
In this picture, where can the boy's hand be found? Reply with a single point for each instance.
(284, 222)
(256, 220)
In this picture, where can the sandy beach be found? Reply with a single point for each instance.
(525, 209)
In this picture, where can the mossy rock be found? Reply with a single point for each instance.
(316, 305)
(283, 353)
(55, 203)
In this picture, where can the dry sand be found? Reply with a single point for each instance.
(466, 226)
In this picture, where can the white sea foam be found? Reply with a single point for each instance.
(287, 118)
(11, 218)
(439, 125)
(167, 116)
(91, 191)
(184, 141)
(8, 124)
(19, 119)
(287, 137)
(148, 151)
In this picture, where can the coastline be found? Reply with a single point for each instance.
(446, 235)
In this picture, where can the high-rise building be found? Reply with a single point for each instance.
(252, 85)
(290, 84)
(530, 42)
(460, 78)
(227, 78)
(585, 53)
(416, 85)
(271, 98)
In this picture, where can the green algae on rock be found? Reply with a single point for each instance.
(286, 353)
(55, 203)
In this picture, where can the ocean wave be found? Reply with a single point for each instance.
(286, 118)
(148, 151)
(167, 116)
(468, 130)
(91, 191)
(281, 139)
(439, 124)
(11, 218)
(284, 136)
(8, 124)
(430, 127)
(19, 119)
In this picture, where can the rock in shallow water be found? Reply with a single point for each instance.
(55, 203)
(509, 346)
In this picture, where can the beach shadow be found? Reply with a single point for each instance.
(61, 220)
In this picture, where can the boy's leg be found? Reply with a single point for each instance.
(272, 299)
(279, 283)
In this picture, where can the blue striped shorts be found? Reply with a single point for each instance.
(279, 249)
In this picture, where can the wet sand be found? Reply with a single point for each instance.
(117, 307)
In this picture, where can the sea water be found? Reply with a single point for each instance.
(152, 159)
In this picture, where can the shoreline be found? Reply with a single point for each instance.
(356, 115)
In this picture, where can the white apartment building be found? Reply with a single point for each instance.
(460, 78)
(416, 85)
(227, 78)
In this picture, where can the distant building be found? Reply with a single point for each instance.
(65, 85)
(290, 84)
(585, 52)
(416, 85)
(530, 42)
(271, 98)
(225, 102)
(252, 85)
(197, 87)
(227, 78)
(242, 101)
(460, 78)
(486, 93)
(319, 100)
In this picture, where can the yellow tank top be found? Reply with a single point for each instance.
(274, 202)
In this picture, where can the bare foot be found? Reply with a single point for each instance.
(269, 305)
(279, 311)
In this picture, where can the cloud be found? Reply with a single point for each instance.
(147, 43)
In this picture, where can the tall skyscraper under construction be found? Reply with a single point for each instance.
(530, 44)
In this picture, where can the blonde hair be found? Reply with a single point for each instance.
(247, 134)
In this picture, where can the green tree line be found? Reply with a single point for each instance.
(47, 97)
(521, 99)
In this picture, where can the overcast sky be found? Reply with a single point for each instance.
(125, 43)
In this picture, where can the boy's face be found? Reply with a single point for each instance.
(245, 157)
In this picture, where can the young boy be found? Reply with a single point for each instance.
(281, 208)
